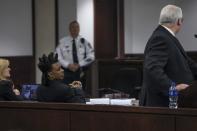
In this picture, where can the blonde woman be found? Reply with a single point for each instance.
(7, 91)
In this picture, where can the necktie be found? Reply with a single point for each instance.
(74, 51)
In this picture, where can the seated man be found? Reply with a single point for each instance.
(52, 88)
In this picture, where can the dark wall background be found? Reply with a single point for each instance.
(22, 69)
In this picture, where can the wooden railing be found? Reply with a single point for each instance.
(36, 116)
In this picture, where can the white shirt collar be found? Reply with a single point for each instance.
(71, 38)
(169, 30)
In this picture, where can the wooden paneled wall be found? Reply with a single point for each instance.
(22, 69)
(105, 28)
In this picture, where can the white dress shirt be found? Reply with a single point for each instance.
(171, 32)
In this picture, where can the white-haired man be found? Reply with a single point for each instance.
(165, 60)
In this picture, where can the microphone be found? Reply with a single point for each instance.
(195, 35)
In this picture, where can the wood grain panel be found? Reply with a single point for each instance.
(107, 121)
(186, 124)
(105, 28)
(33, 120)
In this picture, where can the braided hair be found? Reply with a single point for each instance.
(45, 64)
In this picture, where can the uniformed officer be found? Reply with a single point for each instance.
(74, 53)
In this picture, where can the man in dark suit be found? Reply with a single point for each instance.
(165, 60)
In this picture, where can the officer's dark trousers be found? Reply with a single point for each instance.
(70, 76)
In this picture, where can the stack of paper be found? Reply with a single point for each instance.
(107, 101)
(121, 101)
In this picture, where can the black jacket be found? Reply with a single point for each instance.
(165, 61)
(57, 91)
(6, 91)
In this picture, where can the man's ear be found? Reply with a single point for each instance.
(179, 22)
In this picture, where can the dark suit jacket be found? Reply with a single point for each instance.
(165, 61)
(6, 92)
(57, 91)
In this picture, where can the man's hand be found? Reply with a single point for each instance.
(16, 91)
(180, 87)
(76, 84)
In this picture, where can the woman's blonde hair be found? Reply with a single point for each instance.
(3, 65)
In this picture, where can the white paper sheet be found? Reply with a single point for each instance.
(105, 101)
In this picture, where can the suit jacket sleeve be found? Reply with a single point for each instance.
(8, 92)
(73, 95)
(155, 61)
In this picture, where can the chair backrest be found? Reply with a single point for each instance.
(28, 91)
(127, 80)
